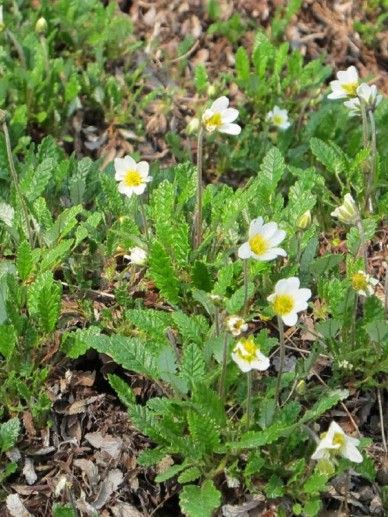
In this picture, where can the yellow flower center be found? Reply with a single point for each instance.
(132, 178)
(249, 349)
(277, 120)
(339, 439)
(350, 89)
(214, 121)
(283, 304)
(359, 282)
(258, 244)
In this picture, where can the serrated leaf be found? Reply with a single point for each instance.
(190, 327)
(330, 400)
(35, 181)
(55, 256)
(193, 364)
(9, 432)
(24, 260)
(242, 64)
(63, 510)
(188, 475)
(272, 169)
(200, 501)
(7, 340)
(315, 484)
(200, 77)
(162, 273)
(7, 214)
(123, 390)
(170, 472)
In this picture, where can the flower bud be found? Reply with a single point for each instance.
(2, 24)
(347, 212)
(301, 387)
(211, 90)
(193, 126)
(304, 221)
(41, 26)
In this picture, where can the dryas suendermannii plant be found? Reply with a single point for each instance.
(207, 348)
(202, 353)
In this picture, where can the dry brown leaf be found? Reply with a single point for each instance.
(107, 443)
(16, 507)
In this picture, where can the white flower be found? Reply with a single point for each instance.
(263, 241)
(345, 365)
(347, 212)
(336, 443)
(236, 325)
(137, 256)
(369, 95)
(354, 106)
(278, 118)
(133, 177)
(288, 300)
(219, 118)
(345, 85)
(246, 354)
(363, 283)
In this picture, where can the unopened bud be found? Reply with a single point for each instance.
(211, 90)
(301, 387)
(41, 26)
(304, 221)
(2, 24)
(193, 126)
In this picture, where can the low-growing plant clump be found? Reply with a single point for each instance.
(242, 326)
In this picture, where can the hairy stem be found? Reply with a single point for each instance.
(382, 421)
(362, 250)
(246, 282)
(249, 399)
(221, 386)
(282, 357)
(143, 215)
(198, 210)
(372, 169)
(15, 180)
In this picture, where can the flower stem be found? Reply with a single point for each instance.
(249, 399)
(372, 170)
(282, 357)
(362, 250)
(143, 215)
(198, 211)
(14, 177)
(221, 386)
(298, 246)
(246, 282)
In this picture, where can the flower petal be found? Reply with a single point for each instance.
(230, 129)
(139, 189)
(229, 115)
(128, 191)
(277, 237)
(244, 251)
(143, 167)
(290, 319)
(220, 104)
(255, 226)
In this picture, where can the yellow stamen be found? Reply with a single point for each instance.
(350, 89)
(283, 304)
(277, 120)
(339, 439)
(359, 281)
(249, 349)
(214, 121)
(258, 244)
(132, 178)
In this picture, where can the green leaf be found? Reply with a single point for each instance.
(7, 214)
(378, 331)
(9, 432)
(325, 403)
(328, 156)
(130, 353)
(315, 484)
(149, 457)
(275, 487)
(188, 475)
(242, 64)
(162, 273)
(190, 327)
(200, 78)
(170, 472)
(35, 181)
(63, 510)
(272, 169)
(204, 431)
(24, 260)
(326, 263)
(236, 301)
(200, 501)
(44, 300)
(7, 340)
(193, 364)
(201, 277)
(123, 390)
